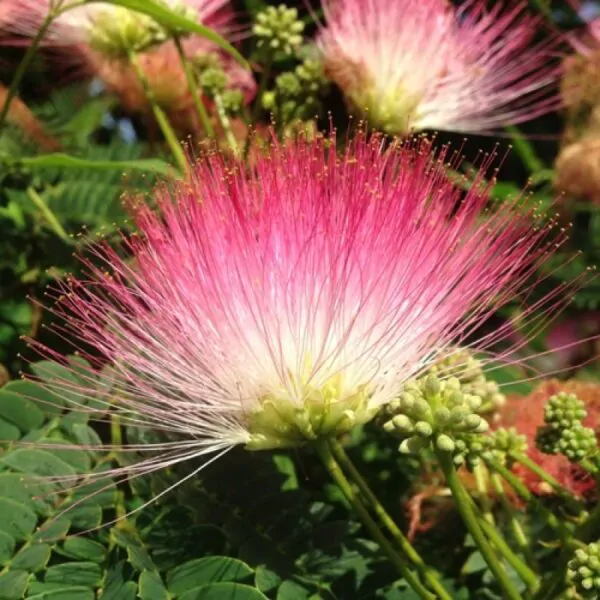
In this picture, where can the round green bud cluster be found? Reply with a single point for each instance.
(469, 449)
(213, 80)
(431, 411)
(469, 371)
(564, 432)
(546, 439)
(563, 410)
(232, 101)
(502, 442)
(118, 31)
(278, 29)
(577, 442)
(297, 95)
(583, 571)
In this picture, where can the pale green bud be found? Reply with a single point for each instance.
(445, 443)
(423, 429)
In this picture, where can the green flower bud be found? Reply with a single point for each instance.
(413, 445)
(278, 29)
(562, 410)
(583, 571)
(423, 429)
(213, 80)
(502, 442)
(437, 410)
(546, 439)
(403, 424)
(469, 371)
(577, 442)
(232, 100)
(445, 443)
(118, 31)
(431, 386)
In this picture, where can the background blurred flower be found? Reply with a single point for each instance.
(423, 64)
(526, 414)
(91, 29)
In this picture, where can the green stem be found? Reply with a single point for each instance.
(515, 525)
(403, 542)
(226, 125)
(160, 116)
(525, 150)
(49, 216)
(482, 489)
(589, 466)
(29, 55)
(195, 91)
(465, 505)
(517, 530)
(526, 495)
(338, 476)
(264, 80)
(530, 579)
(544, 476)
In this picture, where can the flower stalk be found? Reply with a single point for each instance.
(403, 542)
(465, 507)
(330, 463)
(194, 89)
(160, 116)
(517, 530)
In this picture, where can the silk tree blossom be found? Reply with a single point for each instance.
(100, 33)
(103, 27)
(279, 303)
(424, 64)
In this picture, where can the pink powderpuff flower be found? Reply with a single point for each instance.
(285, 301)
(92, 24)
(424, 64)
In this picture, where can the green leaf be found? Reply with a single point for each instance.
(7, 546)
(151, 587)
(290, 590)
(16, 487)
(61, 380)
(13, 585)
(85, 517)
(8, 431)
(75, 573)
(53, 530)
(20, 411)
(32, 558)
(47, 402)
(206, 570)
(61, 160)
(222, 590)
(84, 549)
(85, 435)
(69, 453)
(265, 579)
(71, 592)
(38, 462)
(161, 14)
(475, 563)
(136, 553)
(285, 465)
(16, 519)
(127, 591)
